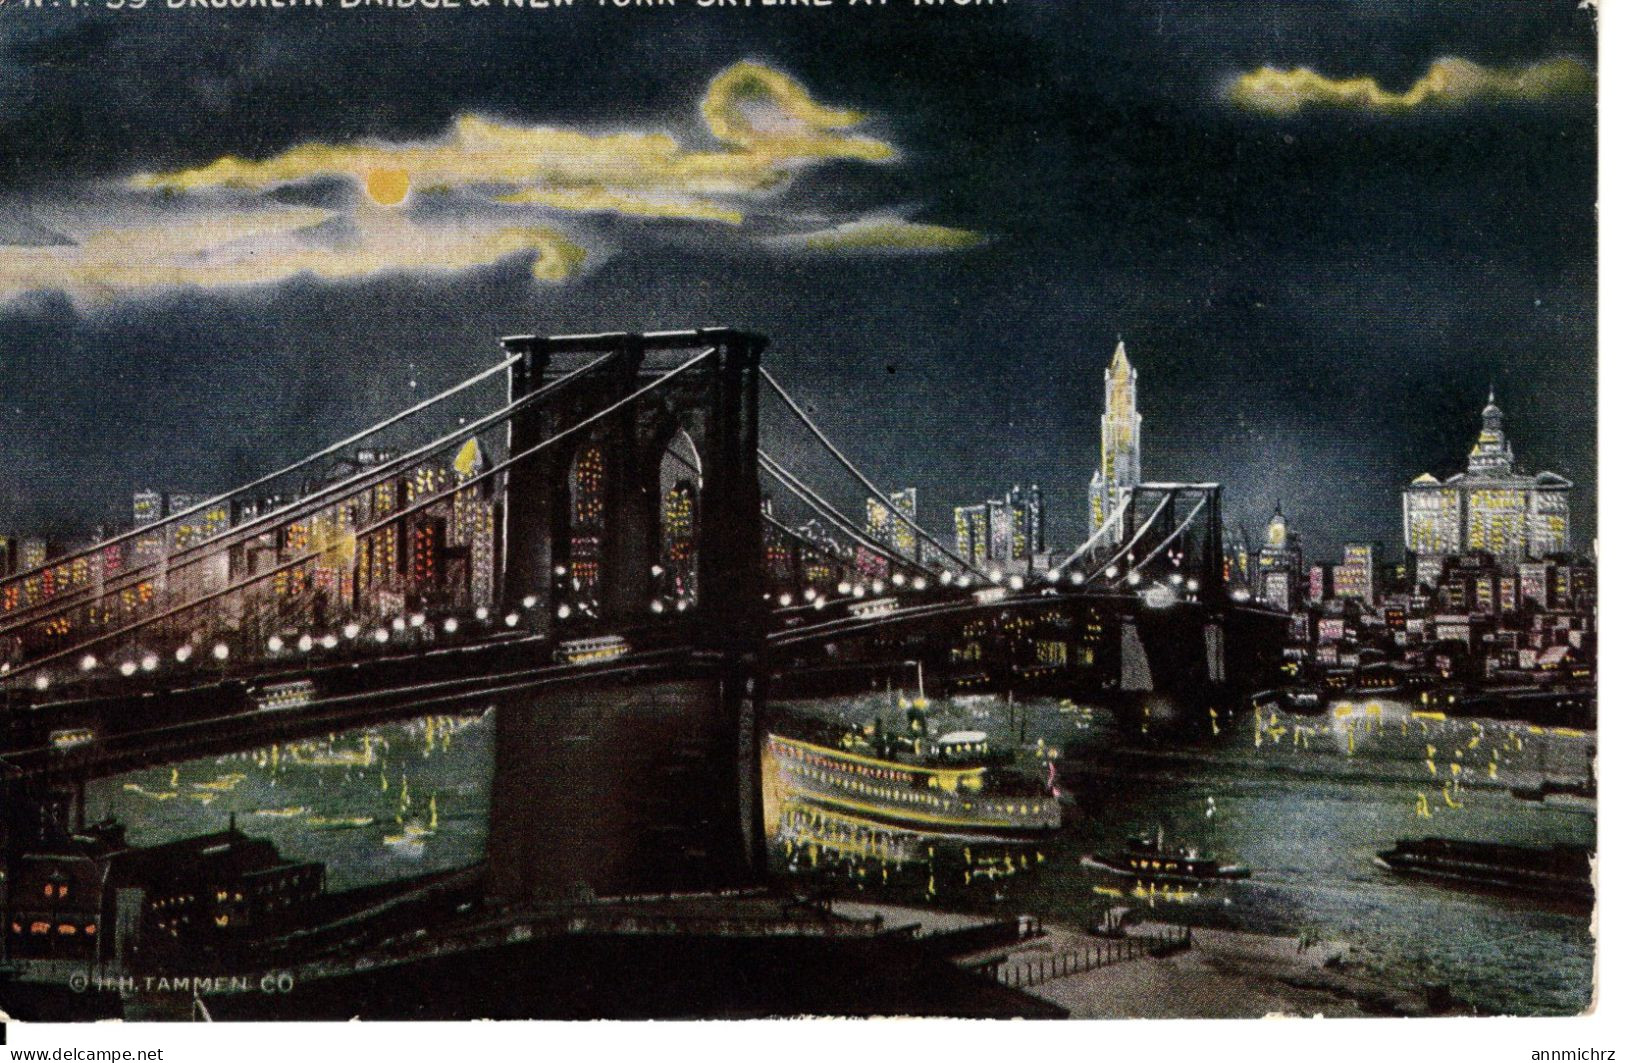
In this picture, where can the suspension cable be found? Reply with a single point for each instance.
(1176, 533)
(876, 492)
(329, 451)
(1138, 534)
(819, 503)
(1105, 526)
(392, 518)
(296, 509)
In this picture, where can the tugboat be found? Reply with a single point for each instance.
(1149, 857)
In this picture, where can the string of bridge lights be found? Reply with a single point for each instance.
(352, 634)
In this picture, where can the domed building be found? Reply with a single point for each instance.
(1491, 508)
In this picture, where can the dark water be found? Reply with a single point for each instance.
(1305, 802)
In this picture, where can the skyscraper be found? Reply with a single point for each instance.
(1491, 508)
(1027, 513)
(1119, 469)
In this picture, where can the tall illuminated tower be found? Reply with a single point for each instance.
(1119, 469)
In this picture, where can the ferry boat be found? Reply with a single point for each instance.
(1149, 857)
(1557, 872)
(949, 785)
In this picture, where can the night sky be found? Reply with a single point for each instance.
(1317, 292)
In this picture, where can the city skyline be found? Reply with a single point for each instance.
(972, 333)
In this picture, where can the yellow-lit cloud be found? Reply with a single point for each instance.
(480, 193)
(767, 121)
(1450, 81)
(234, 249)
(884, 234)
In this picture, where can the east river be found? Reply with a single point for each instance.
(1306, 802)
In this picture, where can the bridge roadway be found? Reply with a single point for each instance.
(146, 721)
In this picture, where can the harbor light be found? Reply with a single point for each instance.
(274, 643)
(86, 663)
(450, 625)
(351, 630)
(149, 662)
(221, 651)
(183, 653)
(126, 668)
(380, 636)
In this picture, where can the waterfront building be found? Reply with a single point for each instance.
(1119, 469)
(1491, 507)
(1356, 577)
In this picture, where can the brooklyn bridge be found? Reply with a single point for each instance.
(635, 608)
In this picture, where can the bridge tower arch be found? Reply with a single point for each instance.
(618, 785)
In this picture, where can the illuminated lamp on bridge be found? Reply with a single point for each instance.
(274, 643)
(809, 594)
(1111, 571)
(330, 642)
(86, 663)
(843, 588)
(305, 643)
(221, 651)
(399, 623)
(963, 580)
(1158, 596)
(919, 583)
(42, 681)
(989, 595)
(897, 579)
(1134, 578)
(126, 668)
(529, 601)
(785, 599)
(183, 653)
(657, 606)
(482, 614)
(450, 626)
(512, 619)
(418, 619)
(149, 662)
(380, 636)
(351, 630)
(1016, 583)
(945, 578)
